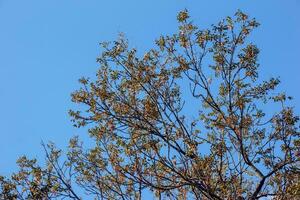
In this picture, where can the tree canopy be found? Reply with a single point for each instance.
(189, 119)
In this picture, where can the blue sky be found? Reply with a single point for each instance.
(45, 46)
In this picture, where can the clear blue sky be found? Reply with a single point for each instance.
(45, 46)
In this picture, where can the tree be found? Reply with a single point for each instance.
(188, 120)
